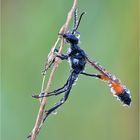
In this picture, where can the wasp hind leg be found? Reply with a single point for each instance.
(57, 105)
(67, 87)
(91, 75)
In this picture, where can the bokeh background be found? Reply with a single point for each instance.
(109, 34)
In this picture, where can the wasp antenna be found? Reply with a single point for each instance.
(76, 27)
(75, 18)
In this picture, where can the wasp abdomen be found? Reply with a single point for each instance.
(121, 92)
(125, 97)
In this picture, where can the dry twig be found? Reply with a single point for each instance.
(63, 29)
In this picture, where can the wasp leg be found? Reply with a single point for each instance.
(99, 76)
(62, 101)
(68, 87)
(52, 93)
(91, 75)
(55, 92)
(61, 56)
(57, 105)
(67, 90)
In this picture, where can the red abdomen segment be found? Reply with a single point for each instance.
(118, 90)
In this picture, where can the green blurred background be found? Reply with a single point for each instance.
(109, 34)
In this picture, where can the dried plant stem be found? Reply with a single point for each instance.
(63, 29)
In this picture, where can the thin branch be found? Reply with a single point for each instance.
(63, 29)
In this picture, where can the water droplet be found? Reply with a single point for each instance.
(62, 101)
(54, 112)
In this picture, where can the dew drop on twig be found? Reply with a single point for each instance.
(54, 112)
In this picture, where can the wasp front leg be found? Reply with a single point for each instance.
(61, 56)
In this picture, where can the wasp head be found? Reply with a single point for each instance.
(70, 38)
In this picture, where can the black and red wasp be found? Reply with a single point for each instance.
(78, 59)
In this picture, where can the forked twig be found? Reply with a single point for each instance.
(63, 29)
